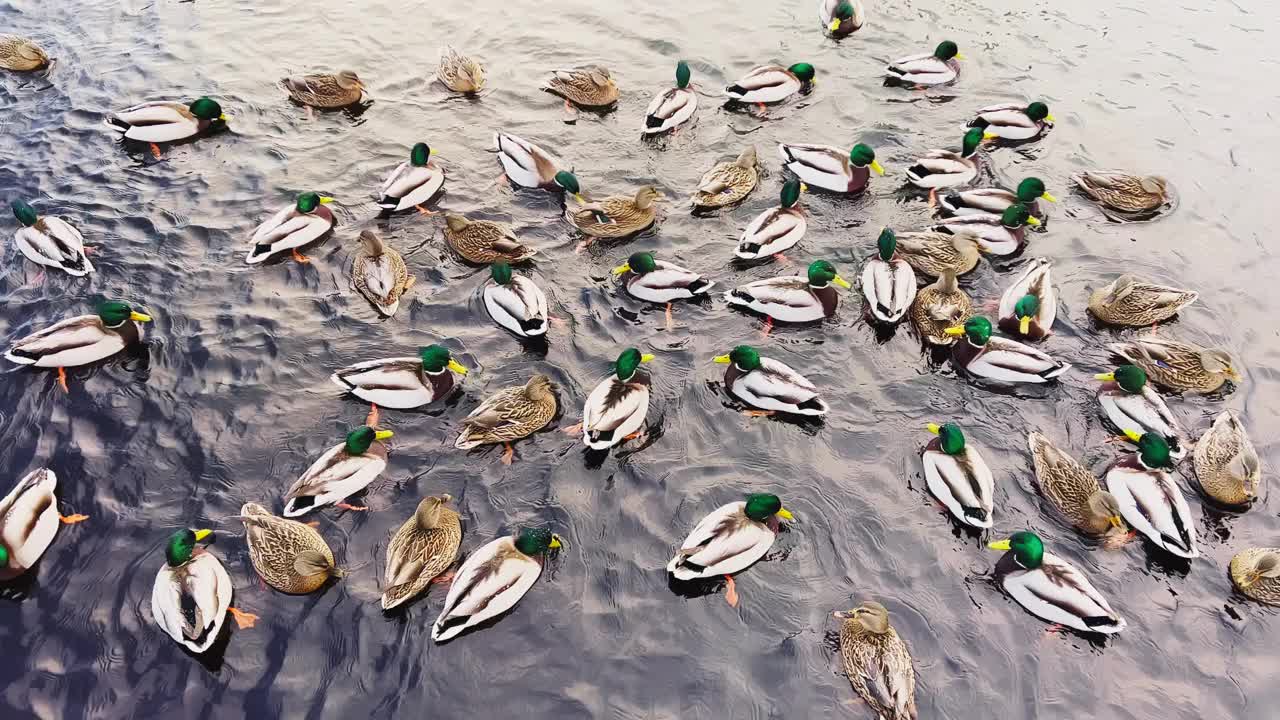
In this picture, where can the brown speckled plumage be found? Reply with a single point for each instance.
(1256, 573)
(938, 307)
(872, 650)
(728, 182)
(1227, 466)
(1134, 302)
(591, 86)
(1179, 366)
(20, 54)
(424, 546)
(289, 556)
(626, 215)
(484, 241)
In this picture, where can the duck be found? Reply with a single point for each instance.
(1179, 366)
(1227, 466)
(288, 555)
(940, 306)
(932, 253)
(590, 86)
(1073, 490)
(412, 184)
(830, 168)
(657, 281)
(888, 281)
(1133, 406)
(615, 410)
(483, 241)
(1000, 235)
(525, 164)
(421, 550)
(458, 72)
(772, 83)
(510, 414)
(80, 340)
(326, 91)
(1000, 359)
(167, 122)
(379, 274)
(50, 241)
(343, 470)
(877, 661)
(673, 107)
(947, 169)
(21, 54)
(793, 298)
(29, 519)
(769, 385)
(1051, 588)
(616, 216)
(941, 67)
(515, 302)
(730, 539)
(403, 383)
(777, 229)
(1255, 571)
(958, 476)
(728, 182)
(1124, 196)
(1029, 305)
(994, 201)
(842, 18)
(493, 579)
(1014, 121)
(302, 223)
(192, 593)
(1132, 302)
(1148, 499)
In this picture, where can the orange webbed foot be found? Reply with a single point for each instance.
(730, 591)
(72, 519)
(299, 257)
(354, 508)
(244, 620)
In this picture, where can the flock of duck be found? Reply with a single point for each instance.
(192, 591)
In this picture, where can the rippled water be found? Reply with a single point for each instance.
(229, 401)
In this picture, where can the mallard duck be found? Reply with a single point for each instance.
(877, 661)
(1255, 573)
(777, 229)
(841, 18)
(526, 164)
(728, 182)
(1000, 359)
(492, 580)
(1133, 406)
(192, 593)
(772, 83)
(940, 306)
(768, 384)
(80, 340)
(484, 241)
(459, 73)
(1132, 302)
(21, 54)
(327, 91)
(793, 298)
(941, 67)
(510, 414)
(343, 470)
(302, 223)
(958, 476)
(413, 183)
(617, 216)
(164, 122)
(1000, 235)
(1227, 466)
(994, 201)
(1072, 489)
(616, 408)
(402, 382)
(423, 548)
(29, 519)
(933, 253)
(945, 168)
(1029, 306)
(1148, 499)
(1014, 121)
(1128, 196)
(673, 107)
(830, 168)
(1052, 588)
(589, 86)
(657, 281)
(288, 555)
(729, 540)
(379, 274)
(889, 281)
(50, 241)
(1179, 366)
(515, 302)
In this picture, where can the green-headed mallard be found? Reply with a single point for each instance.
(508, 415)
(327, 91)
(1029, 306)
(946, 168)
(402, 382)
(379, 274)
(1148, 499)
(413, 183)
(1014, 121)
(793, 298)
(657, 281)
(1000, 235)
(877, 661)
(21, 54)
(343, 470)
(1256, 573)
(80, 340)
(933, 253)
(978, 353)
(163, 122)
(618, 215)
(423, 548)
(994, 201)
(730, 539)
(673, 107)
(288, 555)
(192, 592)
(1052, 588)
(301, 223)
(1123, 196)
(1179, 366)
(590, 86)
(492, 580)
(1072, 489)
(515, 302)
(940, 67)
(484, 241)
(728, 182)
(768, 384)
(777, 229)
(459, 73)
(772, 83)
(940, 306)
(1132, 302)
(888, 281)
(50, 241)
(1133, 406)
(841, 18)
(958, 476)
(526, 164)
(1227, 467)
(615, 410)
(830, 168)
(29, 519)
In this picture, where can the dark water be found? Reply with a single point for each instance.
(229, 402)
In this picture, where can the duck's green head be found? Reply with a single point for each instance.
(500, 272)
(639, 263)
(863, 156)
(791, 190)
(182, 545)
(1153, 450)
(1017, 215)
(115, 313)
(947, 50)
(435, 358)
(1130, 378)
(1031, 189)
(569, 183)
(309, 201)
(420, 155)
(976, 329)
(207, 109)
(4, 555)
(972, 141)
(803, 71)
(1025, 310)
(1027, 549)
(843, 14)
(762, 506)
(887, 244)
(1038, 111)
(536, 541)
(628, 362)
(823, 273)
(682, 74)
(361, 439)
(25, 213)
(745, 357)
(950, 437)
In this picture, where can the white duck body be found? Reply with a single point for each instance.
(410, 185)
(400, 383)
(525, 164)
(669, 110)
(1141, 413)
(80, 340)
(668, 282)
(201, 587)
(335, 476)
(490, 582)
(53, 242)
(286, 230)
(764, 84)
(1037, 280)
(156, 122)
(1059, 593)
(889, 287)
(724, 542)
(945, 168)
(773, 231)
(28, 521)
(775, 386)
(614, 410)
(963, 483)
(1153, 505)
(519, 306)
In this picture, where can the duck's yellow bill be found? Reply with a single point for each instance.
(1106, 377)
(1032, 220)
(202, 534)
(956, 330)
(999, 545)
(325, 200)
(223, 117)
(875, 165)
(804, 188)
(934, 428)
(139, 317)
(989, 136)
(1116, 521)
(960, 56)
(785, 514)
(457, 367)
(1233, 375)
(383, 434)
(841, 282)
(646, 357)
(722, 359)
(555, 542)
(623, 268)
(579, 198)
(835, 25)
(1049, 117)
(1133, 435)
(1049, 197)
(1024, 325)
